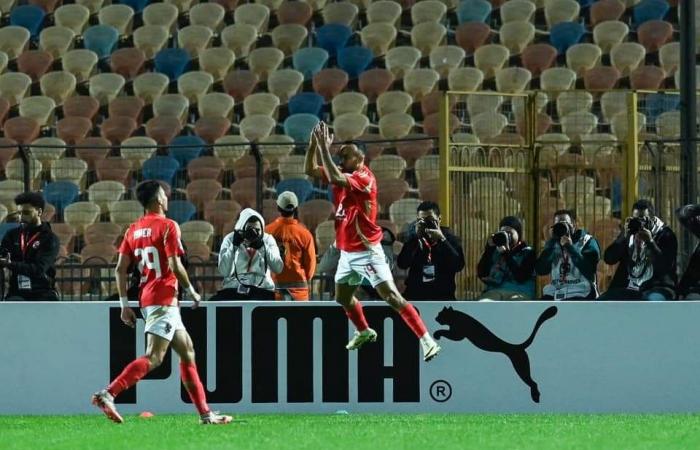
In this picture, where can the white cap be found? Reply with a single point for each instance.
(288, 201)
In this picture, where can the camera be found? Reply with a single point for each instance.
(501, 239)
(635, 225)
(250, 234)
(561, 229)
(426, 223)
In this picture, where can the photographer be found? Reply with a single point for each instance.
(29, 253)
(646, 251)
(246, 257)
(689, 286)
(507, 265)
(432, 255)
(570, 257)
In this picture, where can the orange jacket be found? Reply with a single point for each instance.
(299, 252)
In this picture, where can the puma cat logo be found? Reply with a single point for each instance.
(463, 326)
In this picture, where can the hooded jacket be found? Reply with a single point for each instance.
(239, 264)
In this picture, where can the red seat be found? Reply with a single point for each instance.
(389, 191)
(375, 82)
(205, 167)
(240, 83)
(118, 128)
(127, 62)
(91, 150)
(114, 169)
(23, 130)
(243, 191)
(8, 150)
(127, 107)
(294, 12)
(431, 124)
(212, 128)
(472, 35)
(163, 129)
(330, 82)
(202, 191)
(72, 129)
(606, 10)
(601, 78)
(653, 34)
(647, 77)
(81, 106)
(34, 63)
(229, 5)
(538, 57)
(313, 212)
(430, 103)
(222, 214)
(411, 150)
(47, 5)
(4, 109)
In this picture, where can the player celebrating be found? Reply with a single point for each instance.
(359, 239)
(154, 241)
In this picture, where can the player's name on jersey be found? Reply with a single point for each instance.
(142, 233)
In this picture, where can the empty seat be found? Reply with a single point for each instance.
(350, 126)
(330, 82)
(172, 105)
(239, 38)
(30, 17)
(388, 167)
(608, 34)
(513, 80)
(14, 170)
(465, 79)
(284, 83)
(383, 11)
(627, 56)
(420, 82)
(487, 125)
(125, 212)
(445, 58)
(399, 60)
(538, 57)
(299, 126)
(34, 63)
(427, 35)
(647, 77)
(332, 37)
(603, 10)
(194, 39)
(39, 108)
(163, 128)
(101, 39)
(265, 60)
(89, 150)
(256, 127)
(568, 102)
(80, 215)
(172, 62)
(396, 125)
(81, 63)
(210, 15)
(403, 211)
(200, 192)
(515, 36)
(194, 85)
(309, 61)
(47, 150)
(117, 128)
(114, 169)
(261, 103)
(473, 11)
(120, 17)
(490, 58)
(378, 37)
(349, 102)
(556, 11)
(212, 128)
(72, 16)
(374, 82)
(216, 104)
(230, 148)
(650, 10)
(472, 35)
(131, 107)
(58, 85)
(127, 62)
(14, 87)
(150, 86)
(517, 10)
(582, 57)
(578, 123)
(620, 125)
(81, 106)
(253, 14)
(150, 39)
(105, 87)
(56, 40)
(137, 149)
(186, 148)
(205, 167)
(160, 14)
(161, 168)
(104, 193)
(60, 194)
(566, 34)
(306, 102)
(22, 130)
(13, 40)
(393, 102)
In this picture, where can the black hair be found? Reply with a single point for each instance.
(32, 198)
(643, 204)
(570, 212)
(147, 192)
(427, 206)
(288, 212)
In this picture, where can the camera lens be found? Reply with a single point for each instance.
(500, 238)
(560, 229)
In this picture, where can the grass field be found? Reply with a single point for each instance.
(356, 432)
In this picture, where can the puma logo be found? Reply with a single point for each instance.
(463, 326)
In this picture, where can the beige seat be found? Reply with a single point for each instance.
(384, 11)
(273, 5)
(160, 14)
(13, 40)
(668, 125)
(217, 61)
(81, 63)
(210, 15)
(197, 231)
(239, 38)
(125, 212)
(427, 35)
(58, 85)
(194, 84)
(285, 83)
(9, 189)
(105, 193)
(670, 57)
(121, 17)
(578, 123)
(379, 37)
(261, 103)
(343, 13)
(513, 80)
(556, 143)
(388, 167)
(72, 16)
(325, 235)
(613, 103)
(477, 104)
(230, 148)
(56, 40)
(216, 104)
(138, 149)
(289, 37)
(393, 102)
(517, 10)
(582, 57)
(3, 61)
(515, 36)
(256, 127)
(465, 79)
(577, 186)
(400, 60)
(80, 215)
(40, 108)
(150, 85)
(428, 11)
(92, 5)
(47, 150)
(597, 143)
(396, 125)
(350, 126)
(620, 124)
(488, 125)
(265, 60)
(427, 167)
(403, 211)
(420, 82)
(150, 39)
(292, 166)
(14, 170)
(557, 79)
(572, 101)
(14, 86)
(253, 14)
(609, 33)
(490, 58)
(445, 58)
(105, 87)
(627, 56)
(349, 102)
(556, 11)
(194, 39)
(276, 147)
(69, 169)
(172, 105)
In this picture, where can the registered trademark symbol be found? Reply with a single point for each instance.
(440, 391)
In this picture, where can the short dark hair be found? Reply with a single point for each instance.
(427, 206)
(147, 191)
(570, 212)
(643, 204)
(288, 212)
(32, 198)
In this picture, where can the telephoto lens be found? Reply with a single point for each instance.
(500, 239)
(561, 229)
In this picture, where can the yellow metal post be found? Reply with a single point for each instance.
(444, 147)
(631, 156)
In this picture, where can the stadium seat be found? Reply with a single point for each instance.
(473, 11)
(39, 108)
(150, 86)
(47, 150)
(9, 189)
(649, 10)
(578, 123)
(172, 62)
(125, 212)
(261, 103)
(160, 14)
(239, 38)
(390, 191)
(310, 60)
(186, 148)
(399, 60)
(72, 16)
(488, 125)
(56, 40)
(60, 194)
(330, 82)
(465, 79)
(612, 103)
(669, 57)
(22, 130)
(477, 104)
(104, 193)
(350, 126)
(603, 10)
(239, 84)
(160, 167)
(210, 15)
(566, 34)
(427, 35)
(252, 14)
(513, 80)
(313, 212)
(572, 101)
(396, 125)
(292, 12)
(72, 129)
(80, 215)
(517, 10)
(332, 37)
(230, 148)
(256, 127)
(58, 85)
(243, 192)
(105, 87)
(291, 166)
(558, 11)
(325, 235)
(14, 86)
(659, 103)
(172, 105)
(428, 11)
(289, 37)
(342, 13)
(265, 60)
(127, 106)
(114, 168)
(34, 63)
(538, 57)
(216, 104)
(127, 62)
(14, 170)
(354, 60)
(349, 102)
(138, 149)
(13, 40)
(183, 6)
(472, 35)
(383, 11)
(136, 5)
(627, 56)
(608, 34)
(194, 85)
(306, 103)
(212, 128)
(102, 232)
(4, 110)
(101, 39)
(117, 128)
(653, 34)
(205, 167)
(302, 188)
(222, 214)
(583, 57)
(420, 82)
(89, 150)
(515, 36)
(388, 167)
(668, 125)
(285, 83)
(202, 191)
(445, 58)
(194, 39)
(378, 37)
(299, 126)
(150, 39)
(119, 17)
(490, 58)
(30, 17)
(7, 226)
(403, 211)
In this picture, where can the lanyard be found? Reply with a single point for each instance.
(430, 250)
(23, 245)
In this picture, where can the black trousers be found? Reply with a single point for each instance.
(46, 295)
(255, 293)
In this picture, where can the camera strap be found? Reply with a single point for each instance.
(427, 245)
(250, 263)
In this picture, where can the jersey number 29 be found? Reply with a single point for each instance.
(148, 257)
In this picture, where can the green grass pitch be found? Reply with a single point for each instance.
(356, 432)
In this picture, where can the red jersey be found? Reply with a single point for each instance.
(356, 211)
(151, 240)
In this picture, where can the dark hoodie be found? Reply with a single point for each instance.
(37, 262)
(689, 216)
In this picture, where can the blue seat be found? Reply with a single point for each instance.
(354, 60)
(186, 148)
(473, 11)
(172, 62)
(61, 194)
(306, 103)
(309, 61)
(586, 3)
(299, 127)
(101, 39)
(332, 37)
(136, 5)
(181, 211)
(650, 10)
(5, 227)
(565, 34)
(659, 103)
(160, 168)
(302, 188)
(30, 17)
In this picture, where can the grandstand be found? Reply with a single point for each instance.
(555, 103)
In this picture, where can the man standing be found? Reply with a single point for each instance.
(153, 242)
(432, 255)
(296, 246)
(29, 252)
(359, 239)
(689, 286)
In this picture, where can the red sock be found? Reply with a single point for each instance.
(413, 320)
(190, 378)
(356, 316)
(131, 374)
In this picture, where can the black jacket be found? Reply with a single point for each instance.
(690, 281)
(39, 262)
(448, 258)
(663, 260)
